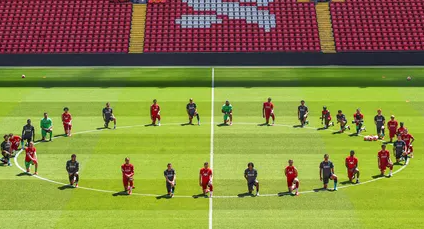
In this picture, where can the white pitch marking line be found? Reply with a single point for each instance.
(212, 139)
(156, 195)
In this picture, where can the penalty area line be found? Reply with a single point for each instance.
(211, 157)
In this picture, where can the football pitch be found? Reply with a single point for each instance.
(45, 201)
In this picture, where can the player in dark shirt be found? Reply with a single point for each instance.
(28, 133)
(302, 113)
(380, 121)
(72, 167)
(341, 118)
(108, 116)
(171, 178)
(399, 149)
(192, 111)
(251, 174)
(6, 150)
(326, 172)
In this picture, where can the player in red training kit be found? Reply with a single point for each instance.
(205, 179)
(326, 118)
(155, 113)
(31, 158)
(66, 120)
(408, 139)
(292, 181)
(392, 125)
(16, 141)
(384, 161)
(401, 129)
(268, 111)
(128, 176)
(352, 167)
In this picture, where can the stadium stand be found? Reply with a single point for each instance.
(218, 26)
(378, 25)
(64, 26)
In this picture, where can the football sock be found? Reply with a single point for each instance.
(51, 133)
(71, 178)
(22, 143)
(198, 117)
(77, 178)
(335, 183)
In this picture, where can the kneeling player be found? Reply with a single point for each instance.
(358, 119)
(6, 149)
(341, 118)
(227, 110)
(302, 113)
(392, 125)
(205, 179)
(399, 150)
(31, 158)
(384, 161)
(326, 172)
(46, 125)
(292, 180)
(67, 121)
(108, 116)
(72, 166)
(351, 163)
(16, 141)
(170, 177)
(155, 112)
(268, 111)
(128, 176)
(192, 111)
(251, 174)
(408, 139)
(326, 118)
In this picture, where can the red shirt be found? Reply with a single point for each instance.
(384, 156)
(352, 162)
(291, 172)
(268, 106)
(29, 152)
(15, 139)
(326, 114)
(400, 130)
(66, 118)
(407, 138)
(358, 117)
(155, 109)
(206, 174)
(127, 169)
(392, 125)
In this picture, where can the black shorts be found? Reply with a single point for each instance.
(326, 179)
(26, 138)
(191, 113)
(379, 128)
(169, 187)
(109, 119)
(399, 154)
(251, 184)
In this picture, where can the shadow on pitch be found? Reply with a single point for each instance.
(264, 124)
(151, 124)
(281, 194)
(121, 193)
(353, 135)
(187, 124)
(200, 196)
(297, 126)
(322, 128)
(60, 135)
(65, 187)
(379, 176)
(166, 196)
(222, 124)
(21, 174)
(337, 132)
(246, 194)
(320, 189)
(102, 128)
(346, 182)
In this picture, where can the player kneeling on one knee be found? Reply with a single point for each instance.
(400, 149)
(351, 163)
(205, 179)
(292, 180)
(31, 158)
(128, 176)
(250, 174)
(108, 116)
(326, 172)
(384, 161)
(72, 167)
(227, 110)
(192, 111)
(170, 177)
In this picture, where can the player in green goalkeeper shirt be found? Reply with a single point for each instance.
(46, 126)
(227, 110)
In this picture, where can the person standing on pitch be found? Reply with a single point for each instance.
(250, 174)
(108, 116)
(72, 166)
(380, 121)
(268, 111)
(302, 113)
(326, 172)
(28, 133)
(392, 125)
(192, 111)
(46, 125)
(227, 110)
(170, 177)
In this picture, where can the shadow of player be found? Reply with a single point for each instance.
(151, 124)
(353, 135)
(121, 193)
(297, 126)
(22, 174)
(346, 182)
(280, 194)
(246, 194)
(102, 128)
(222, 124)
(200, 195)
(187, 124)
(320, 189)
(64, 187)
(337, 132)
(322, 128)
(166, 196)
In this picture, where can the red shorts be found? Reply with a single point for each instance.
(268, 114)
(67, 126)
(392, 133)
(350, 172)
(125, 180)
(15, 146)
(383, 166)
(155, 116)
(205, 184)
(290, 181)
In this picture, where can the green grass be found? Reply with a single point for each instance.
(394, 203)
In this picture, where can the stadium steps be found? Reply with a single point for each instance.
(138, 23)
(325, 27)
